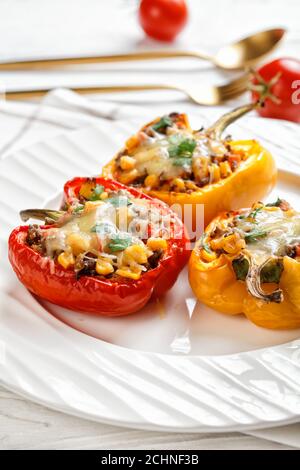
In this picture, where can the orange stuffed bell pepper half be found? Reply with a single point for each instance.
(180, 166)
(107, 252)
(248, 261)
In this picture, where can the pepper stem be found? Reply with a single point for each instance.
(216, 130)
(253, 282)
(41, 214)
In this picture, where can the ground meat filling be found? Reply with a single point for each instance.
(153, 260)
(85, 265)
(293, 251)
(35, 239)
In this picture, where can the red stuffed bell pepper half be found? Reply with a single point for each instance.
(107, 252)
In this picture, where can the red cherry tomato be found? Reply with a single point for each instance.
(163, 19)
(279, 82)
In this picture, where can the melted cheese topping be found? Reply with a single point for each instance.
(262, 232)
(282, 228)
(178, 152)
(113, 231)
(152, 155)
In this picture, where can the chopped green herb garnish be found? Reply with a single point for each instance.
(181, 150)
(181, 161)
(173, 151)
(119, 201)
(97, 191)
(254, 213)
(180, 146)
(103, 228)
(119, 243)
(204, 244)
(187, 146)
(275, 204)
(79, 208)
(251, 237)
(175, 139)
(206, 247)
(162, 124)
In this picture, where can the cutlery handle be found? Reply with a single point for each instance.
(27, 94)
(61, 61)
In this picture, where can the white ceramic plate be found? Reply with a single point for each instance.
(182, 367)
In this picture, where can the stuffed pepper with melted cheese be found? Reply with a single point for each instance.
(168, 160)
(248, 261)
(107, 253)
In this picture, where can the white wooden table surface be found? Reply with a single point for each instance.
(33, 28)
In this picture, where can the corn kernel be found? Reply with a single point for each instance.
(217, 243)
(208, 256)
(290, 213)
(66, 259)
(214, 171)
(103, 196)
(87, 189)
(257, 205)
(128, 176)
(127, 163)
(104, 267)
(185, 121)
(233, 244)
(91, 205)
(225, 169)
(132, 142)
(125, 272)
(179, 184)
(78, 242)
(200, 168)
(151, 181)
(191, 185)
(157, 244)
(137, 253)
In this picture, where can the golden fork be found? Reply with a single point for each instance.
(200, 94)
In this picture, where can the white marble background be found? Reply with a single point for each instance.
(59, 27)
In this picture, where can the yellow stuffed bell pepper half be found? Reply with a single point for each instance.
(180, 166)
(248, 261)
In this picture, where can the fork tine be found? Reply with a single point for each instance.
(234, 93)
(236, 84)
(238, 89)
(213, 95)
(229, 91)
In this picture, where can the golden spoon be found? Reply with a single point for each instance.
(240, 54)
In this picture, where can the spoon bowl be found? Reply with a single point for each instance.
(249, 50)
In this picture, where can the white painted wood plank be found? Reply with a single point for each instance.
(26, 425)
